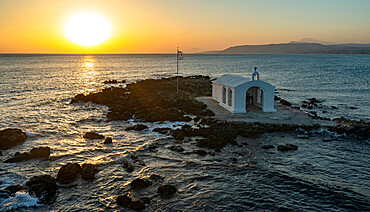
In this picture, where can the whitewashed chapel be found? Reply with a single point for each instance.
(241, 94)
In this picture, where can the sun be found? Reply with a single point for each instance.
(87, 29)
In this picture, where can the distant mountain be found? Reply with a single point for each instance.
(310, 40)
(296, 47)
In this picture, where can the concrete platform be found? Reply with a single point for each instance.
(284, 115)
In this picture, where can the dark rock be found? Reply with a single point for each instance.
(285, 102)
(4, 194)
(110, 82)
(43, 187)
(276, 98)
(137, 127)
(165, 130)
(39, 152)
(93, 135)
(334, 107)
(137, 205)
(166, 191)
(154, 100)
(68, 173)
(11, 137)
(1, 153)
(156, 178)
(309, 107)
(287, 147)
(269, 146)
(108, 140)
(201, 152)
(14, 188)
(324, 111)
(128, 166)
(139, 183)
(234, 160)
(88, 171)
(18, 157)
(177, 148)
(124, 200)
(123, 81)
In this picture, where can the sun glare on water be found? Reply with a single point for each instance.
(87, 29)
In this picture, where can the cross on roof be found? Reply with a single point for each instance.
(255, 68)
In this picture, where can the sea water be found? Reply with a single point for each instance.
(35, 94)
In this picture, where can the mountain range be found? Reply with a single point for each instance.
(303, 46)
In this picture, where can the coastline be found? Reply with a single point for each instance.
(201, 136)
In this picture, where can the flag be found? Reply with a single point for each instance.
(179, 55)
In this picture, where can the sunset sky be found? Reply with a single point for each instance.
(148, 26)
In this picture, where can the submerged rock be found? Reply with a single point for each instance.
(201, 152)
(269, 146)
(43, 187)
(88, 171)
(138, 205)
(166, 191)
(35, 153)
(108, 140)
(93, 135)
(287, 147)
(176, 148)
(14, 188)
(68, 173)
(139, 183)
(285, 102)
(137, 127)
(124, 200)
(11, 137)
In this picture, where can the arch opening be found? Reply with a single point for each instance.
(224, 95)
(229, 97)
(254, 99)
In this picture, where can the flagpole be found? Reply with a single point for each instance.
(177, 69)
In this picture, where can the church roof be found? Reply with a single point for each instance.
(232, 80)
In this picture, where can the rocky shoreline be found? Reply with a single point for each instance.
(157, 101)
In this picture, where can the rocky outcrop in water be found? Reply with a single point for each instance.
(154, 100)
(93, 135)
(68, 173)
(10, 191)
(139, 183)
(220, 134)
(108, 140)
(352, 127)
(11, 137)
(88, 171)
(166, 191)
(287, 147)
(43, 187)
(35, 153)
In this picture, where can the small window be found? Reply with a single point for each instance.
(224, 95)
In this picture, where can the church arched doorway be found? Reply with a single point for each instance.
(254, 99)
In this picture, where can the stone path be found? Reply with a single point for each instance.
(284, 115)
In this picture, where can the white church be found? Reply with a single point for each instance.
(240, 94)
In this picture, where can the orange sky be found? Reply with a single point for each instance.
(148, 26)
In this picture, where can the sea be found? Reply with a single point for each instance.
(35, 95)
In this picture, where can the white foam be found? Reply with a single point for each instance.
(30, 134)
(20, 200)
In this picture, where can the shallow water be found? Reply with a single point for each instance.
(35, 92)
